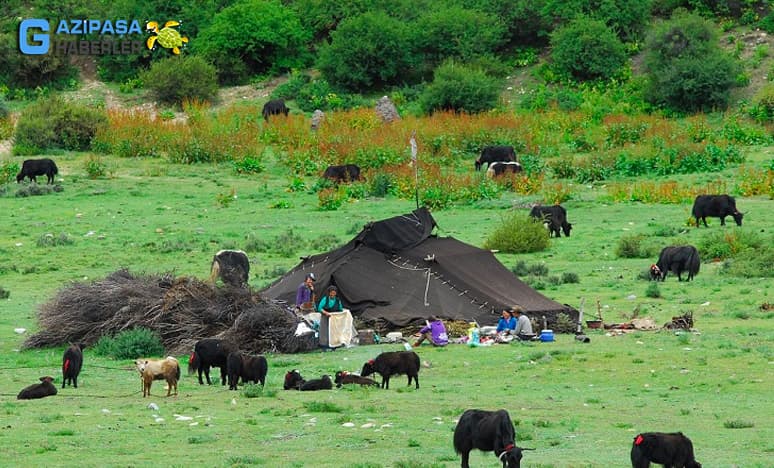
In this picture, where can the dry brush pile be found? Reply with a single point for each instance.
(181, 310)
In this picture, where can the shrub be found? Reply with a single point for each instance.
(518, 233)
(178, 78)
(248, 165)
(727, 243)
(95, 166)
(290, 89)
(55, 123)
(653, 291)
(4, 293)
(459, 88)
(762, 108)
(368, 51)
(130, 344)
(50, 240)
(630, 246)
(570, 277)
(586, 49)
(252, 37)
(8, 171)
(19, 70)
(685, 66)
(381, 185)
(751, 263)
(318, 94)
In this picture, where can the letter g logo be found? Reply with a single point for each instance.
(40, 42)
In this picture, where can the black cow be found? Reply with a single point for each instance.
(499, 168)
(343, 173)
(554, 217)
(34, 167)
(293, 380)
(344, 378)
(492, 154)
(323, 383)
(677, 259)
(393, 363)
(72, 361)
(249, 368)
(488, 431)
(715, 206)
(274, 107)
(672, 450)
(210, 352)
(232, 266)
(41, 390)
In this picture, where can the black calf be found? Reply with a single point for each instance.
(672, 450)
(72, 360)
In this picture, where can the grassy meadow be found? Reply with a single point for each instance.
(578, 405)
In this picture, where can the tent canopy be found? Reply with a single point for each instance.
(395, 272)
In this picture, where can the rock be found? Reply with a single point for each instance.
(153, 406)
(317, 118)
(386, 110)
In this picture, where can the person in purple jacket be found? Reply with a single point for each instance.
(305, 295)
(434, 332)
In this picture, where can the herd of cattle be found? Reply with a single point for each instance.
(488, 431)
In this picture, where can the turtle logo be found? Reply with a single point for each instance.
(166, 37)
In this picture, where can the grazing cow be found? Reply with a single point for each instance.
(715, 206)
(232, 266)
(497, 169)
(488, 431)
(492, 154)
(72, 361)
(554, 217)
(210, 352)
(655, 272)
(393, 363)
(293, 380)
(34, 167)
(164, 369)
(672, 450)
(249, 368)
(344, 173)
(274, 107)
(41, 390)
(343, 378)
(677, 259)
(323, 383)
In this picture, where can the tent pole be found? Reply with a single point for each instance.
(414, 160)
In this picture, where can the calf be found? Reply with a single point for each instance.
(715, 206)
(249, 368)
(677, 259)
(343, 378)
(554, 217)
(492, 154)
(165, 369)
(210, 352)
(344, 173)
(274, 107)
(672, 450)
(323, 383)
(41, 390)
(72, 360)
(393, 363)
(293, 380)
(232, 266)
(34, 167)
(497, 169)
(488, 431)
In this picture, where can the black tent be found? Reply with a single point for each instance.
(396, 272)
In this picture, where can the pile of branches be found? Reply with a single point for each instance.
(682, 322)
(181, 310)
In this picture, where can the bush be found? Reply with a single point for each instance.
(586, 49)
(8, 171)
(721, 244)
(95, 166)
(762, 108)
(368, 51)
(685, 66)
(290, 89)
(318, 94)
(248, 165)
(570, 277)
(381, 185)
(50, 240)
(55, 123)
(4, 293)
(253, 37)
(130, 344)
(751, 263)
(18, 70)
(459, 88)
(631, 247)
(518, 233)
(179, 78)
(653, 291)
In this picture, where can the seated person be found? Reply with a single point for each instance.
(523, 328)
(434, 331)
(506, 324)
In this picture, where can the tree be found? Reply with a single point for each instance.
(460, 88)
(586, 49)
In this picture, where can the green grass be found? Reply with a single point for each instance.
(577, 404)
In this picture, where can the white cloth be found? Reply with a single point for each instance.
(341, 329)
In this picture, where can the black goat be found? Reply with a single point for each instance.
(293, 380)
(210, 352)
(393, 363)
(72, 361)
(323, 383)
(41, 390)
(343, 378)
(488, 431)
(672, 450)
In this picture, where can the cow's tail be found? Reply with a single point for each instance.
(193, 363)
(694, 262)
(56, 169)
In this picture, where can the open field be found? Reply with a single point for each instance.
(578, 405)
